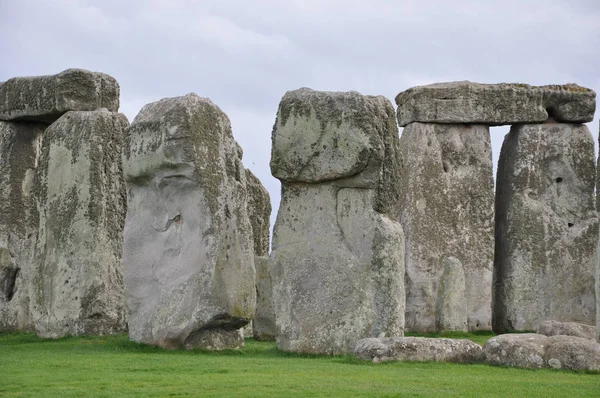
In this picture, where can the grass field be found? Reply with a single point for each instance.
(112, 366)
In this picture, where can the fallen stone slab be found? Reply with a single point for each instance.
(77, 285)
(554, 328)
(495, 104)
(19, 154)
(46, 98)
(572, 353)
(446, 208)
(420, 349)
(546, 227)
(337, 259)
(188, 256)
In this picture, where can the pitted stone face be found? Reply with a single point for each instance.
(188, 252)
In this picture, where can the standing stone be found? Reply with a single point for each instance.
(598, 252)
(495, 104)
(19, 153)
(546, 227)
(446, 207)
(337, 260)
(46, 98)
(259, 210)
(188, 250)
(78, 287)
(451, 308)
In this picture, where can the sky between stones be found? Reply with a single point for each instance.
(245, 54)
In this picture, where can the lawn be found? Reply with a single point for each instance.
(112, 366)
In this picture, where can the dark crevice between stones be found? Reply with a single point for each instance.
(223, 324)
(8, 278)
(559, 180)
(570, 224)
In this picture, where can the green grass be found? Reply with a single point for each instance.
(112, 366)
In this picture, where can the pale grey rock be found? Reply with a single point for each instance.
(446, 207)
(598, 254)
(555, 328)
(546, 227)
(188, 253)
(259, 211)
(19, 154)
(337, 259)
(520, 350)
(451, 308)
(418, 349)
(77, 285)
(46, 98)
(264, 319)
(572, 353)
(495, 104)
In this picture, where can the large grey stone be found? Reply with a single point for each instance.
(451, 307)
(264, 319)
(78, 286)
(418, 349)
(446, 207)
(555, 328)
(572, 353)
(546, 227)
(188, 253)
(598, 252)
(519, 350)
(46, 98)
(19, 153)
(337, 260)
(259, 211)
(495, 104)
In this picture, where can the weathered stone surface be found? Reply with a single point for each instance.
(46, 98)
(554, 328)
(418, 349)
(78, 286)
(188, 253)
(451, 308)
(520, 350)
(264, 319)
(572, 353)
(259, 211)
(495, 104)
(446, 207)
(534, 351)
(19, 153)
(598, 252)
(337, 260)
(546, 227)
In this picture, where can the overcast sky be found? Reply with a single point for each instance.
(245, 54)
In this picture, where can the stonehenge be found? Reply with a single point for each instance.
(337, 260)
(156, 228)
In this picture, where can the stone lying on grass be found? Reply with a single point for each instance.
(495, 104)
(535, 351)
(418, 349)
(46, 98)
(554, 328)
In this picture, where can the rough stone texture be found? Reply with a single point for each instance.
(495, 104)
(264, 319)
(546, 227)
(46, 98)
(572, 353)
(78, 286)
(418, 349)
(520, 350)
(337, 260)
(554, 328)
(188, 250)
(534, 351)
(451, 308)
(259, 211)
(446, 207)
(19, 153)
(598, 253)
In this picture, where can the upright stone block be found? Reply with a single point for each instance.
(546, 227)
(188, 245)
(446, 207)
(598, 252)
(19, 154)
(78, 286)
(46, 98)
(337, 259)
(451, 309)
